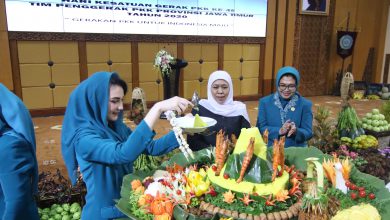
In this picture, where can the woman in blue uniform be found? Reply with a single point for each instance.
(230, 115)
(286, 112)
(95, 138)
(18, 163)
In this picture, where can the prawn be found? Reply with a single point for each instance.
(247, 158)
(221, 155)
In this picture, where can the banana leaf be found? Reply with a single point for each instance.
(179, 213)
(258, 171)
(122, 205)
(293, 156)
(203, 156)
(296, 156)
(382, 193)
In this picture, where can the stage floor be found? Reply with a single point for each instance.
(48, 129)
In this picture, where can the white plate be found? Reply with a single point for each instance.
(187, 124)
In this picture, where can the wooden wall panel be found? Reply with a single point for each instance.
(120, 52)
(66, 74)
(382, 17)
(64, 52)
(98, 52)
(236, 87)
(311, 51)
(33, 52)
(279, 47)
(202, 61)
(280, 36)
(290, 32)
(270, 46)
(250, 69)
(45, 100)
(34, 75)
(248, 87)
(124, 70)
(61, 95)
(342, 9)
(207, 69)
(3, 17)
(191, 71)
(209, 52)
(365, 23)
(233, 68)
(5, 58)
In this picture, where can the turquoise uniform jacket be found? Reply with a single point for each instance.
(18, 163)
(104, 162)
(301, 114)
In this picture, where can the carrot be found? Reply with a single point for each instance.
(247, 158)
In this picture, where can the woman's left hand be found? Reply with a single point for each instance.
(293, 129)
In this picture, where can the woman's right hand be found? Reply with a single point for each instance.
(176, 103)
(285, 128)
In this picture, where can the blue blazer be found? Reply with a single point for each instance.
(104, 162)
(17, 169)
(269, 118)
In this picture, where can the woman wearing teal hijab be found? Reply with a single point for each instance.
(18, 163)
(286, 112)
(95, 139)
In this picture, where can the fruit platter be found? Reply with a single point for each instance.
(243, 179)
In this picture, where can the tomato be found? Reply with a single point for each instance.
(362, 189)
(371, 196)
(214, 168)
(362, 194)
(226, 176)
(353, 196)
(353, 187)
(348, 184)
(178, 192)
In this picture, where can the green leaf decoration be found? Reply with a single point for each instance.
(258, 171)
(203, 156)
(296, 156)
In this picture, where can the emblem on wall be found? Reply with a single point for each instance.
(346, 41)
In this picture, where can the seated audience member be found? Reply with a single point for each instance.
(286, 112)
(230, 115)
